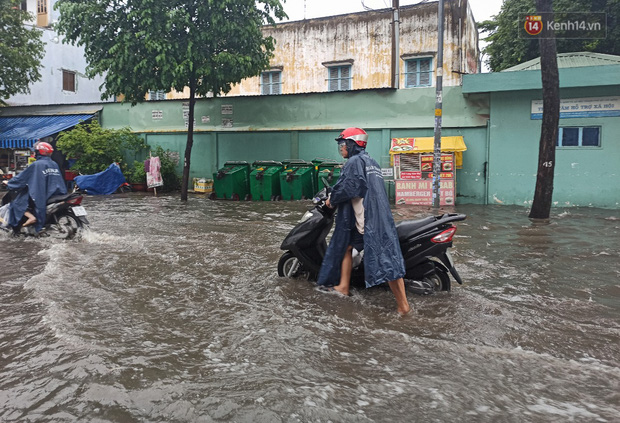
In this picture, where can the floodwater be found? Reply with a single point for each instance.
(172, 312)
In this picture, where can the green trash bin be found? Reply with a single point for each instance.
(232, 182)
(297, 180)
(330, 170)
(265, 180)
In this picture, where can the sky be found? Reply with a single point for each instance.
(482, 9)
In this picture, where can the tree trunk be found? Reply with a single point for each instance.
(190, 139)
(541, 206)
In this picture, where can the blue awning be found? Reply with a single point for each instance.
(24, 131)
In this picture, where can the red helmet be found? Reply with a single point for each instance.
(44, 148)
(354, 134)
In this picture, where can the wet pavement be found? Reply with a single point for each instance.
(173, 312)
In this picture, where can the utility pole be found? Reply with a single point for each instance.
(395, 44)
(438, 109)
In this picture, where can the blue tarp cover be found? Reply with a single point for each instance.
(24, 131)
(102, 183)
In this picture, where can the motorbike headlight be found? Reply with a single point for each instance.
(307, 215)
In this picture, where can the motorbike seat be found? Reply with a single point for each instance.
(405, 228)
(63, 197)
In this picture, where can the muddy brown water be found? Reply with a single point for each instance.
(173, 312)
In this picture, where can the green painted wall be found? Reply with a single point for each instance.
(304, 126)
(583, 176)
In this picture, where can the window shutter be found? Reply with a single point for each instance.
(333, 79)
(410, 76)
(425, 72)
(68, 81)
(275, 80)
(345, 81)
(265, 88)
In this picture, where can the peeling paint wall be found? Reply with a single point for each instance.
(303, 48)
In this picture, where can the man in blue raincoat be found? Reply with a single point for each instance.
(35, 185)
(364, 222)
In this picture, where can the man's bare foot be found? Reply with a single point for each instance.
(31, 219)
(342, 291)
(334, 289)
(404, 311)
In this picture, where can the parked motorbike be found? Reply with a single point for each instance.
(65, 217)
(424, 243)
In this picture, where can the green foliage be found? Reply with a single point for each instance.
(137, 174)
(21, 50)
(147, 45)
(507, 49)
(95, 148)
(168, 169)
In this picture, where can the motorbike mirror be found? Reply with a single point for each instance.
(325, 182)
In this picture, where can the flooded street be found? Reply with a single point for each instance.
(173, 312)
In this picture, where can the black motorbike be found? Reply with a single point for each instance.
(65, 217)
(424, 244)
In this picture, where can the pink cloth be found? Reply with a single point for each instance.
(153, 175)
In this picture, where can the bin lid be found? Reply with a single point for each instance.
(236, 163)
(330, 164)
(297, 162)
(266, 163)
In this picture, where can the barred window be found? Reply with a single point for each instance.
(271, 83)
(339, 78)
(418, 72)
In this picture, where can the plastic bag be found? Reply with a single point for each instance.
(4, 216)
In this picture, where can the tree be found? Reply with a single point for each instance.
(96, 148)
(541, 206)
(506, 48)
(21, 50)
(142, 45)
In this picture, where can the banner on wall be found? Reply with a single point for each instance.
(591, 107)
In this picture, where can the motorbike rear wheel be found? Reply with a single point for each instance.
(66, 227)
(439, 280)
(289, 266)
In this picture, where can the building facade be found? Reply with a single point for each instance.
(63, 68)
(587, 157)
(373, 49)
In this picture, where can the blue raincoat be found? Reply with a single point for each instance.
(383, 259)
(39, 181)
(102, 183)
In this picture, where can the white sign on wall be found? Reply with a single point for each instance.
(581, 107)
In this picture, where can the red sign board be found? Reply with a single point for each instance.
(420, 192)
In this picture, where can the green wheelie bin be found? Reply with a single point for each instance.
(265, 180)
(231, 182)
(330, 170)
(297, 180)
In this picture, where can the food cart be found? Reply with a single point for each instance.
(412, 159)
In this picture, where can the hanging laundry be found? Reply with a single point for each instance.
(153, 175)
